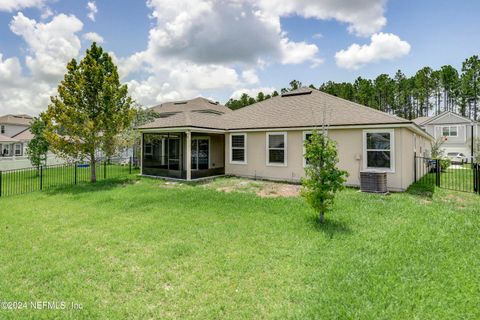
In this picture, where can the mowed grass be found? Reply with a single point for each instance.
(145, 249)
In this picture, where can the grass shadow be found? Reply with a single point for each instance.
(422, 190)
(87, 187)
(330, 227)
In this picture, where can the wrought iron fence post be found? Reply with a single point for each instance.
(438, 169)
(104, 169)
(415, 166)
(477, 167)
(1, 174)
(41, 177)
(75, 164)
(130, 166)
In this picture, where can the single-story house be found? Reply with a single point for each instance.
(200, 138)
(455, 131)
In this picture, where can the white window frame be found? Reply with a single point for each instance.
(392, 150)
(267, 149)
(8, 148)
(15, 149)
(3, 129)
(145, 149)
(449, 131)
(244, 148)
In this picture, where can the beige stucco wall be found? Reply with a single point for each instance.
(350, 152)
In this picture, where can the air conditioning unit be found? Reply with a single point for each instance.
(373, 181)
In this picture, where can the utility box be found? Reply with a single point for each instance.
(373, 181)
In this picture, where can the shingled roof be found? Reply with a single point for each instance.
(304, 107)
(16, 119)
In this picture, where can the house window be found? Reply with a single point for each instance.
(277, 148)
(2, 129)
(306, 136)
(6, 150)
(450, 131)
(379, 149)
(18, 149)
(148, 149)
(238, 148)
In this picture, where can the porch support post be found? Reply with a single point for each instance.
(188, 148)
(141, 152)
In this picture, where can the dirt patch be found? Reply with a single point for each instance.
(279, 190)
(260, 188)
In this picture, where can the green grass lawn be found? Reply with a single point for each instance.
(145, 249)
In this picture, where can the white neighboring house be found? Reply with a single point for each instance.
(14, 135)
(454, 129)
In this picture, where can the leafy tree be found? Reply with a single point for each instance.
(436, 151)
(476, 150)
(470, 83)
(423, 90)
(37, 148)
(437, 89)
(91, 109)
(323, 179)
(401, 96)
(450, 84)
(384, 88)
(131, 136)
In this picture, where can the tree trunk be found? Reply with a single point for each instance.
(93, 169)
(321, 217)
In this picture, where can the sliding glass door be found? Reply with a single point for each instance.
(200, 153)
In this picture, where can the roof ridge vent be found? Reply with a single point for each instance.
(180, 102)
(293, 93)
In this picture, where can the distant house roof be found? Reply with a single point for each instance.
(304, 107)
(4, 139)
(25, 135)
(421, 120)
(16, 119)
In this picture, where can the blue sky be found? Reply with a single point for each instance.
(181, 49)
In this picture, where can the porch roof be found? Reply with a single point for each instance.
(4, 139)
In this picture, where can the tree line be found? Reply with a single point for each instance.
(428, 92)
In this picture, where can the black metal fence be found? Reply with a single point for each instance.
(19, 181)
(454, 176)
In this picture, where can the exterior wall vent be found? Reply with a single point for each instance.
(373, 181)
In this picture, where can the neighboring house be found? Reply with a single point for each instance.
(14, 135)
(199, 138)
(453, 129)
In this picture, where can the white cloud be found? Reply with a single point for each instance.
(364, 17)
(50, 45)
(20, 94)
(252, 92)
(12, 5)
(92, 10)
(93, 37)
(198, 45)
(298, 52)
(250, 76)
(383, 46)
